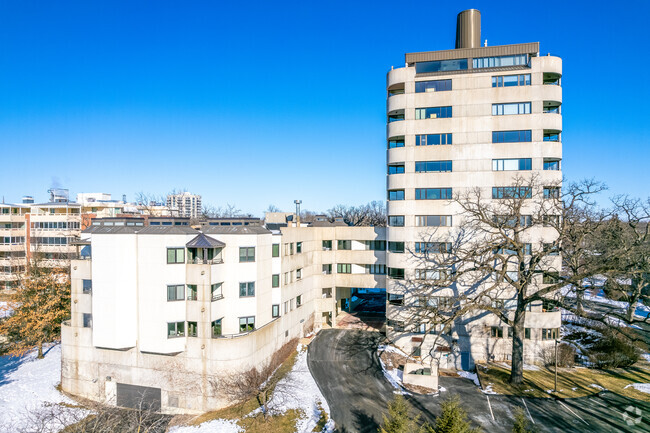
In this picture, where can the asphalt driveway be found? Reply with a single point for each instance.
(345, 366)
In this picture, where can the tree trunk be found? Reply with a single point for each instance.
(631, 308)
(580, 294)
(517, 370)
(40, 350)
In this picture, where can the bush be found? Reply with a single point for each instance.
(522, 425)
(612, 351)
(453, 419)
(566, 355)
(398, 419)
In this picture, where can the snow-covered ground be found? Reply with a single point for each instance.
(642, 387)
(28, 383)
(297, 390)
(641, 310)
(469, 375)
(5, 311)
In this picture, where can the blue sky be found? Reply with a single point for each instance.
(260, 103)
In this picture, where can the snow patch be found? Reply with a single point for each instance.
(489, 390)
(598, 387)
(641, 387)
(215, 426)
(469, 375)
(646, 356)
(394, 376)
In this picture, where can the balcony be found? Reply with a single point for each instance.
(551, 107)
(200, 261)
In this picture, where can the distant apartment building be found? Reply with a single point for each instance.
(458, 119)
(184, 205)
(168, 309)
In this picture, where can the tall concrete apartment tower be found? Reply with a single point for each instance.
(474, 116)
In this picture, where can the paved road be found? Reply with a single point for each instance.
(346, 368)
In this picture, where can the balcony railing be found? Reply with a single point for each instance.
(217, 296)
(198, 261)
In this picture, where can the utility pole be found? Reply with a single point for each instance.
(555, 364)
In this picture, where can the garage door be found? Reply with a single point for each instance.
(136, 397)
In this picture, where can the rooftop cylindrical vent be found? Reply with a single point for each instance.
(468, 29)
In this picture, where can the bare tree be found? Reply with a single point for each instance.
(371, 214)
(229, 211)
(505, 254)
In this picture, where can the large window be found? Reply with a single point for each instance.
(500, 61)
(396, 168)
(298, 247)
(192, 292)
(192, 329)
(432, 166)
(276, 250)
(433, 247)
(551, 164)
(511, 136)
(440, 65)
(327, 245)
(496, 332)
(216, 291)
(216, 328)
(550, 333)
(87, 286)
(175, 329)
(344, 245)
(433, 220)
(395, 194)
(433, 139)
(246, 254)
(432, 113)
(511, 80)
(247, 289)
(432, 86)
(87, 320)
(551, 192)
(395, 143)
(511, 108)
(395, 299)
(396, 273)
(327, 269)
(176, 292)
(175, 255)
(433, 194)
(275, 310)
(247, 324)
(275, 280)
(551, 136)
(343, 268)
(430, 274)
(396, 221)
(376, 269)
(375, 245)
(396, 247)
(499, 192)
(512, 164)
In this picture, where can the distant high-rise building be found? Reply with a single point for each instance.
(184, 204)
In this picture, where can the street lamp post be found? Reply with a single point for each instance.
(556, 365)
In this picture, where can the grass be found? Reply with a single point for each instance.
(571, 382)
(254, 424)
(322, 420)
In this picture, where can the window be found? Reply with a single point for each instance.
(432, 112)
(87, 286)
(275, 280)
(433, 194)
(192, 292)
(550, 278)
(496, 332)
(511, 136)
(550, 333)
(216, 291)
(216, 328)
(500, 61)
(511, 108)
(511, 80)
(550, 220)
(551, 249)
(175, 329)
(551, 164)
(327, 269)
(395, 299)
(375, 245)
(432, 139)
(344, 245)
(247, 289)
(286, 307)
(395, 194)
(176, 292)
(343, 268)
(298, 301)
(397, 325)
(499, 192)
(396, 221)
(551, 192)
(396, 273)
(298, 247)
(246, 254)
(192, 329)
(396, 169)
(275, 310)
(276, 250)
(551, 136)
(376, 269)
(87, 320)
(527, 333)
(327, 245)
(430, 274)
(247, 324)
(396, 247)
(287, 278)
(511, 221)
(432, 166)
(298, 274)
(512, 164)
(440, 65)
(441, 303)
(392, 144)
(175, 255)
(511, 250)
(432, 86)
(417, 350)
(433, 247)
(433, 220)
